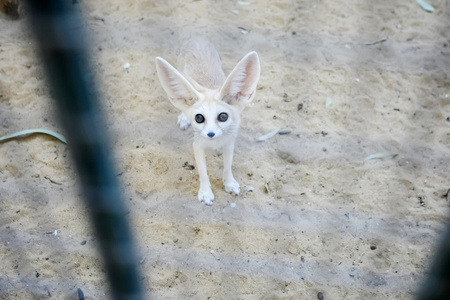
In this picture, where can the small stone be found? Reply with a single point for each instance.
(188, 166)
(320, 296)
(243, 30)
(248, 188)
(373, 247)
(233, 205)
(83, 243)
(421, 202)
(299, 106)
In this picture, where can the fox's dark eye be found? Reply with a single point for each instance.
(222, 117)
(199, 118)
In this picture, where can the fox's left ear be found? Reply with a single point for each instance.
(240, 86)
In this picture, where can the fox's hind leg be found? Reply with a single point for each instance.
(183, 122)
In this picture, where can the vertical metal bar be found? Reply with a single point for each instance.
(59, 33)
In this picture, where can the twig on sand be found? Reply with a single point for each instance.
(376, 42)
(52, 181)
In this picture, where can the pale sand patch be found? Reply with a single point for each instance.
(331, 223)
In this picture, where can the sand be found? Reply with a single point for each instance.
(331, 223)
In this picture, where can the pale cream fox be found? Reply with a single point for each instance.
(210, 102)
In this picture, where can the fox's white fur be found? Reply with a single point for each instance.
(210, 102)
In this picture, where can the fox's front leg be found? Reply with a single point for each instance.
(231, 185)
(205, 194)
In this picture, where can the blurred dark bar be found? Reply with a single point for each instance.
(436, 285)
(62, 43)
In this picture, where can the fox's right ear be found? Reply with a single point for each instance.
(180, 92)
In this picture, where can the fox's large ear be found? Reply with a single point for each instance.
(240, 86)
(180, 92)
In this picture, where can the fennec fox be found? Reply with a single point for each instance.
(210, 102)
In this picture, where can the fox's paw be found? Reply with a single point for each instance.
(232, 186)
(183, 122)
(206, 196)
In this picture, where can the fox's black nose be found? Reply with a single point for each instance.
(211, 134)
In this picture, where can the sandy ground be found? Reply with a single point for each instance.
(331, 223)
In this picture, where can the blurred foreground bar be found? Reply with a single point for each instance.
(436, 285)
(59, 33)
